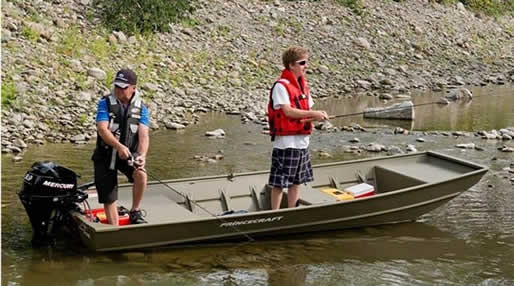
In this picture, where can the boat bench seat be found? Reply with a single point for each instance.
(307, 196)
(310, 196)
(389, 178)
(422, 171)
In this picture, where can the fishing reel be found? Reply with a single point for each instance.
(132, 162)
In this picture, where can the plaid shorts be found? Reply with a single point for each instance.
(290, 167)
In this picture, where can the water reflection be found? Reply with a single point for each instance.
(332, 257)
(491, 108)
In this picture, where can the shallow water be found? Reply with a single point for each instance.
(491, 108)
(469, 241)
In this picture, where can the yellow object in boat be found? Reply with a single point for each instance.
(101, 216)
(340, 195)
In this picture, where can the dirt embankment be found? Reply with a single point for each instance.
(57, 61)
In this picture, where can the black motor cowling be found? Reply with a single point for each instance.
(49, 192)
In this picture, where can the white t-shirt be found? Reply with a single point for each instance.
(280, 96)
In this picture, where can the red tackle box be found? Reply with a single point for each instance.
(99, 214)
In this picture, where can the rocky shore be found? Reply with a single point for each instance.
(57, 61)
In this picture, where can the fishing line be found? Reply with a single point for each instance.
(385, 109)
(131, 163)
(247, 236)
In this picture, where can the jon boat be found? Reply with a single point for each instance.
(237, 207)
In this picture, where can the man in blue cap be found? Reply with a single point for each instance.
(122, 122)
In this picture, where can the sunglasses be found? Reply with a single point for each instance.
(302, 63)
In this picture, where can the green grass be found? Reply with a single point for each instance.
(31, 34)
(223, 30)
(8, 93)
(495, 8)
(74, 44)
(83, 119)
(357, 6)
(71, 43)
(190, 22)
(109, 78)
(81, 82)
(201, 58)
(148, 94)
(99, 47)
(280, 27)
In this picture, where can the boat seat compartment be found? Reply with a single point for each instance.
(429, 170)
(307, 196)
(310, 196)
(390, 180)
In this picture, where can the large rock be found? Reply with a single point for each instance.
(411, 148)
(20, 143)
(173, 125)
(218, 133)
(120, 36)
(97, 73)
(459, 94)
(466, 146)
(374, 147)
(363, 43)
(6, 36)
(150, 86)
(78, 138)
(403, 110)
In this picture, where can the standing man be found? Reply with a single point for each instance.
(288, 109)
(122, 122)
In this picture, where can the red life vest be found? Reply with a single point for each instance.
(280, 124)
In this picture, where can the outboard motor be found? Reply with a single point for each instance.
(49, 192)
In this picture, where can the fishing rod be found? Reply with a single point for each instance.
(131, 162)
(384, 110)
(376, 111)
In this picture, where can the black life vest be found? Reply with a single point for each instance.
(123, 123)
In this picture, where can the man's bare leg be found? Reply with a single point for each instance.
(138, 188)
(111, 211)
(276, 198)
(292, 196)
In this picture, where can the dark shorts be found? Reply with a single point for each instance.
(290, 167)
(106, 180)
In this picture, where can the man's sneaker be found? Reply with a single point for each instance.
(136, 217)
(122, 211)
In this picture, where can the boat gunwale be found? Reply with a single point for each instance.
(386, 158)
(479, 169)
(243, 233)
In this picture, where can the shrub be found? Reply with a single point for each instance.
(71, 43)
(489, 7)
(8, 93)
(357, 6)
(142, 16)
